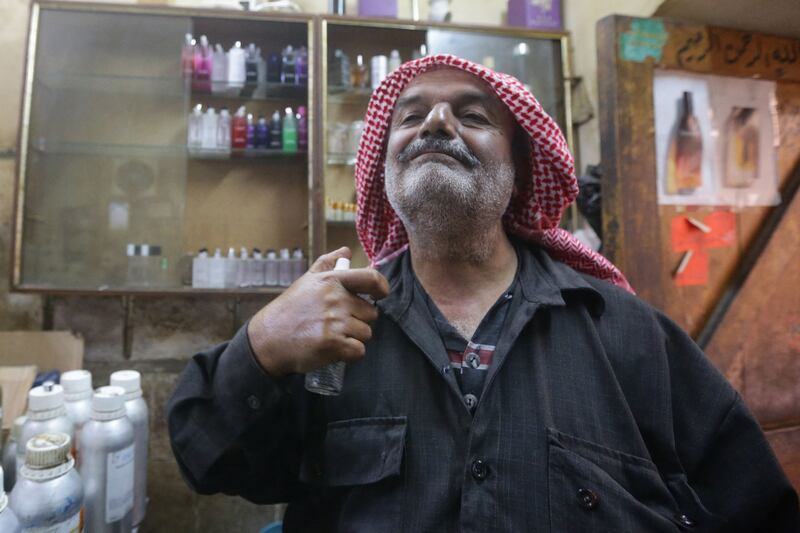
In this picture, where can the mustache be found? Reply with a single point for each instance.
(454, 148)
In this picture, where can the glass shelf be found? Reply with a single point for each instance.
(334, 222)
(341, 159)
(348, 95)
(150, 291)
(144, 150)
(170, 86)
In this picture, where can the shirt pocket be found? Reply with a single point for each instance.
(595, 488)
(361, 451)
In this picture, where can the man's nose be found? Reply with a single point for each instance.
(440, 122)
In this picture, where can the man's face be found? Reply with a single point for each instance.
(449, 151)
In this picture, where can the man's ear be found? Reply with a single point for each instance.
(521, 154)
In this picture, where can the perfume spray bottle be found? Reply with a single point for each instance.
(203, 63)
(394, 60)
(210, 129)
(250, 143)
(251, 64)
(219, 70)
(339, 70)
(685, 155)
(224, 130)
(195, 140)
(237, 74)
(741, 147)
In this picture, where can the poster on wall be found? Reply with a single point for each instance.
(715, 140)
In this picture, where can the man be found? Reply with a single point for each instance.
(507, 380)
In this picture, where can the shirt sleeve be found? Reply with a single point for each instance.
(731, 474)
(233, 427)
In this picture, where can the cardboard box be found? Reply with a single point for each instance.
(23, 354)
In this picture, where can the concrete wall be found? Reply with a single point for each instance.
(165, 332)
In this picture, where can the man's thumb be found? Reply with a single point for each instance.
(327, 261)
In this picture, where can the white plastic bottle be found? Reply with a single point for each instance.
(78, 402)
(219, 70)
(394, 60)
(298, 263)
(255, 271)
(284, 268)
(224, 131)
(200, 270)
(136, 408)
(230, 269)
(242, 279)
(237, 74)
(271, 269)
(216, 270)
(209, 136)
(195, 139)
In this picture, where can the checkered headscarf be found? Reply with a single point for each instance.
(535, 208)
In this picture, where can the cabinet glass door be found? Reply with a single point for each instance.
(115, 193)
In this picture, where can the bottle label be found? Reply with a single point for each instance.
(119, 484)
(70, 525)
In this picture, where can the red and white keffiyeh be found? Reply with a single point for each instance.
(535, 208)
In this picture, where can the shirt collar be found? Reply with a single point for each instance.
(542, 280)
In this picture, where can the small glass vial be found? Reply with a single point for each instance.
(359, 77)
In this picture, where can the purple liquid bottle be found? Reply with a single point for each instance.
(301, 66)
(302, 129)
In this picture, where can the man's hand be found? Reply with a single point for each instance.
(318, 320)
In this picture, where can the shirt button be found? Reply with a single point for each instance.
(685, 521)
(479, 470)
(473, 360)
(253, 402)
(446, 369)
(588, 499)
(471, 400)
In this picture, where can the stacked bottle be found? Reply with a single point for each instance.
(10, 453)
(77, 386)
(8, 519)
(46, 414)
(256, 269)
(107, 463)
(48, 495)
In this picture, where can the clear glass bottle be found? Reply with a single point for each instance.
(685, 156)
(359, 76)
(288, 69)
(284, 268)
(271, 269)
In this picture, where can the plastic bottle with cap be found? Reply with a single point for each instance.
(48, 495)
(200, 269)
(8, 519)
(10, 453)
(107, 465)
(298, 263)
(242, 277)
(237, 74)
(136, 408)
(328, 379)
(394, 60)
(289, 134)
(285, 268)
(216, 270)
(77, 401)
(271, 268)
(231, 268)
(46, 414)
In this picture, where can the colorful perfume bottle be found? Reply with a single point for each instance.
(275, 132)
(187, 55)
(685, 155)
(251, 64)
(358, 73)
(262, 133)
(288, 59)
(741, 147)
(274, 68)
(302, 128)
(239, 129)
(289, 134)
(339, 70)
(301, 66)
(250, 143)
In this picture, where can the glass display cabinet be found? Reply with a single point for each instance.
(151, 133)
(359, 52)
(125, 169)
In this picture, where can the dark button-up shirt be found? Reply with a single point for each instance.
(598, 414)
(471, 359)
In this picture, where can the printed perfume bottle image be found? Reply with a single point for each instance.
(741, 147)
(685, 156)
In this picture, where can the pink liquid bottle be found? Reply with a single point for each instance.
(302, 129)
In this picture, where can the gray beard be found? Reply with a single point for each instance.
(450, 213)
